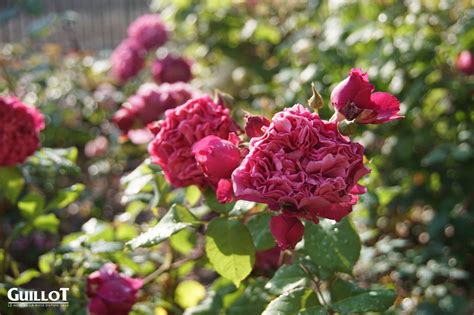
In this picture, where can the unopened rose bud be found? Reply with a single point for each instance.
(316, 101)
(286, 230)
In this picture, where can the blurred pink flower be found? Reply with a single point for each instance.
(465, 62)
(172, 69)
(148, 30)
(127, 59)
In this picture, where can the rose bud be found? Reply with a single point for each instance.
(354, 99)
(465, 62)
(286, 230)
(149, 30)
(124, 119)
(127, 60)
(171, 69)
(110, 292)
(224, 191)
(255, 125)
(20, 126)
(267, 259)
(217, 157)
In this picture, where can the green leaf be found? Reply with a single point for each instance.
(335, 247)
(183, 241)
(241, 207)
(176, 219)
(47, 222)
(347, 297)
(230, 249)
(45, 262)
(286, 278)
(66, 196)
(26, 276)
(214, 204)
(259, 227)
(189, 293)
(11, 183)
(296, 301)
(31, 205)
(193, 194)
(252, 301)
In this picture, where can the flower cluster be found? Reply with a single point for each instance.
(298, 164)
(110, 292)
(20, 126)
(175, 136)
(146, 33)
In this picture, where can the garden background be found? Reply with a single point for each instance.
(75, 204)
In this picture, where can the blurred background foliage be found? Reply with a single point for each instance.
(415, 222)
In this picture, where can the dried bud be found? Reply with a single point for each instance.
(316, 101)
(223, 99)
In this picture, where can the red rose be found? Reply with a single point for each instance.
(127, 59)
(149, 31)
(287, 231)
(110, 292)
(465, 62)
(353, 98)
(172, 69)
(302, 165)
(20, 126)
(175, 136)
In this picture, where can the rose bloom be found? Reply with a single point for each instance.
(127, 60)
(172, 69)
(303, 166)
(353, 98)
(465, 62)
(149, 30)
(20, 126)
(182, 127)
(110, 292)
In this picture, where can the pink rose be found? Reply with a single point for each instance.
(224, 192)
(353, 98)
(110, 292)
(175, 136)
(255, 125)
(286, 230)
(465, 62)
(303, 166)
(149, 30)
(171, 69)
(127, 59)
(20, 126)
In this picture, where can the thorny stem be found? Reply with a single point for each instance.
(316, 283)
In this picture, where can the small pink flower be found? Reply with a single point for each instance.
(96, 147)
(127, 59)
(286, 230)
(354, 99)
(303, 166)
(172, 69)
(20, 126)
(465, 62)
(255, 125)
(148, 30)
(176, 134)
(110, 292)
